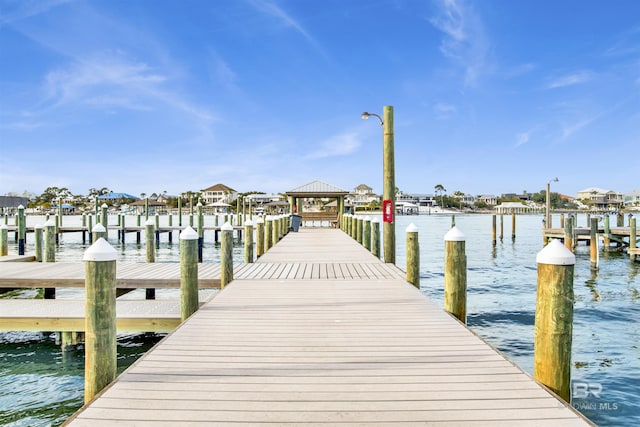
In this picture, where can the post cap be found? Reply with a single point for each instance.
(4, 227)
(38, 226)
(104, 205)
(20, 207)
(97, 228)
(199, 204)
(555, 253)
(50, 223)
(412, 228)
(101, 250)
(376, 220)
(454, 235)
(188, 234)
(259, 220)
(150, 222)
(248, 223)
(226, 227)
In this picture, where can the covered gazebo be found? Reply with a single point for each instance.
(317, 190)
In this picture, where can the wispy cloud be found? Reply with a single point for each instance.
(576, 78)
(337, 145)
(464, 38)
(570, 129)
(270, 8)
(444, 110)
(19, 10)
(522, 138)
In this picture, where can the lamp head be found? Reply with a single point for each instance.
(365, 115)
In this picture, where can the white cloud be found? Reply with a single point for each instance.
(338, 145)
(444, 110)
(571, 79)
(569, 130)
(464, 38)
(522, 138)
(19, 10)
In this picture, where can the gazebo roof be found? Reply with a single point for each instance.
(317, 189)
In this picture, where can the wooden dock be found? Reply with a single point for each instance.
(349, 343)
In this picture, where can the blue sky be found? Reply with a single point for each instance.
(490, 96)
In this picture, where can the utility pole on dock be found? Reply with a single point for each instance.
(389, 182)
(548, 218)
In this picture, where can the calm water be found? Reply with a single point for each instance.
(40, 385)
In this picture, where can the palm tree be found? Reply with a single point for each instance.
(440, 189)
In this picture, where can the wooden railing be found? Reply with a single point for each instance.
(317, 219)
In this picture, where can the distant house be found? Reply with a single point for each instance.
(489, 199)
(362, 195)
(218, 193)
(515, 207)
(10, 203)
(602, 199)
(525, 197)
(632, 198)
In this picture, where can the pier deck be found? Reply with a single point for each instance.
(323, 350)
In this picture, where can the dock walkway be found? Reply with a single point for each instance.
(328, 349)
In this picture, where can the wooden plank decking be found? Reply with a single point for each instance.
(272, 348)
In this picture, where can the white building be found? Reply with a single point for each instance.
(218, 193)
(601, 199)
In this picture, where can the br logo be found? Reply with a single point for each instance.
(582, 390)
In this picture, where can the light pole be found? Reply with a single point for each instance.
(548, 219)
(388, 183)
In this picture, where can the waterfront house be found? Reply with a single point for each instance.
(601, 199)
(218, 193)
(632, 199)
(489, 199)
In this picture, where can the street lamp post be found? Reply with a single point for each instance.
(548, 219)
(388, 185)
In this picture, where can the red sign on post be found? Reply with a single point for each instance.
(387, 211)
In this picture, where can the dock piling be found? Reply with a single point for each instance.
(413, 256)
(226, 255)
(4, 240)
(366, 233)
(248, 241)
(455, 274)
(100, 318)
(38, 231)
(593, 242)
(22, 230)
(554, 318)
(633, 237)
(375, 237)
(259, 237)
(188, 273)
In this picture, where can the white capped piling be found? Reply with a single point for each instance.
(4, 240)
(50, 241)
(274, 231)
(100, 318)
(38, 239)
(146, 208)
(180, 211)
(268, 225)
(226, 255)
(105, 218)
(188, 272)
(157, 228)
(455, 274)
(554, 318)
(248, 242)
(259, 237)
(22, 230)
(191, 220)
(568, 233)
(354, 227)
(413, 256)
(375, 237)
(98, 231)
(593, 243)
(366, 233)
(359, 229)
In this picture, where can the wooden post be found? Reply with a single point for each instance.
(359, 229)
(568, 234)
(413, 256)
(274, 232)
(50, 241)
(455, 274)
(226, 255)
(146, 208)
(268, 225)
(493, 229)
(180, 211)
(248, 242)
(375, 237)
(149, 231)
(633, 236)
(188, 273)
(561, 220)
(238, 220)
(593, 242)
(4, 240)
(554, 318)
(105, 218)
(453, 220)
(501, 227)
(200, 227)
(513, 226)
(259, 237)
(98, 231)
(607, 233)
(22, 230)
(38, 236)
(389, 186)
(59, 213)
(366, 233)
(100, 318)
(620, 219)
(354, 227)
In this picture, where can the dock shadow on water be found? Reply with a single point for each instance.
(41, 385)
